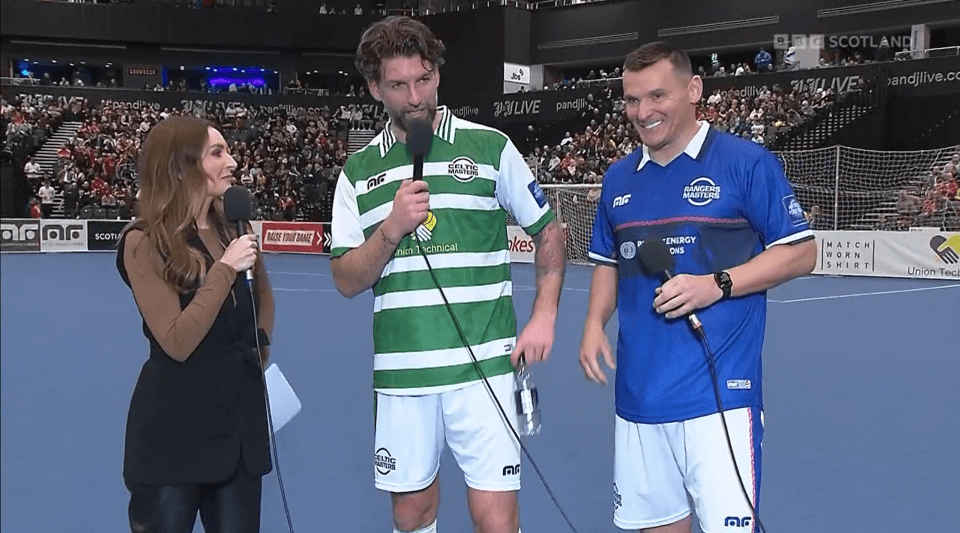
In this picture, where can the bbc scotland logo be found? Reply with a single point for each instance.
(816, 41)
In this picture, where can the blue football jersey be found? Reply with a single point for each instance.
(718, 204)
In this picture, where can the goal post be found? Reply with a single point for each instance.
(575, 207)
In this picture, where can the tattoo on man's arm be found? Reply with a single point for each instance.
(549, 256)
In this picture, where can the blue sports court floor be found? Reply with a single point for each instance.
(861, 381)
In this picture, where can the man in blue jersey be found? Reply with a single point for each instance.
(724, 209)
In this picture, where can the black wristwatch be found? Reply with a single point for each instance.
(724, 282)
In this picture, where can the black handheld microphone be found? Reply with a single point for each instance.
(238, 208)
(419, 140)
(656, 260)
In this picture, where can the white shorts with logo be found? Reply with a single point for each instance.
(656, 467)
(411, 432)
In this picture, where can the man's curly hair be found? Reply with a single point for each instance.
(396, 37)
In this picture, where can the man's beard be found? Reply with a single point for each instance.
(403, 122)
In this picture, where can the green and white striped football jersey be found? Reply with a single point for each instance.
(476, 176)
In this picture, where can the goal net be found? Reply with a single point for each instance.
(855, 189)
(842, 188)
(575, 207)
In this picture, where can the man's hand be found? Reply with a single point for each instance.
(593, 344)
(535, 341)
(410, 207)
(685, 294)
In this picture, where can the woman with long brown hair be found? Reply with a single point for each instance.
(196, 437)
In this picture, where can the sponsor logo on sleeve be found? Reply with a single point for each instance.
(794, 211)
(537, 193)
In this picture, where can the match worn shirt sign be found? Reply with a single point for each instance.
(476, 177)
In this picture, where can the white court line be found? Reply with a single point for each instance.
(835, 297)
(525, 288)
(335, 290)
(304, 290)
(301, 273)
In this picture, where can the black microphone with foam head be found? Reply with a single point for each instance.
(419, 140)
(656, 260)
(238, 208)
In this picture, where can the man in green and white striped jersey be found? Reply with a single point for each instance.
(428, 391)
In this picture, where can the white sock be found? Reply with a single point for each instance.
(432, 528)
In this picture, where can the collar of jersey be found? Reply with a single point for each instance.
(446, 130)
(693, 147)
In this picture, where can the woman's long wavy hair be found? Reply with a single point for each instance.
(173, 187)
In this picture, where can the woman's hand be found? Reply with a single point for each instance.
(241, 254)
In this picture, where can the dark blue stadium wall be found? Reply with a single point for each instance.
(590, 33)
(923, 122)
(475, 49)
(869, 132)
(477, 41)
(573, 34)
(166, 24)
(516, 36)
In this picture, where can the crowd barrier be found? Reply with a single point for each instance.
(62, 235)
(920, 254)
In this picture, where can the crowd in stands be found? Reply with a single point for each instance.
(762, 62)
(605, 135)
(935, 202)
(29, 122)
(291, 159)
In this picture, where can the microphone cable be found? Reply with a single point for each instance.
(711, 363)
(476, 364)
(266, 396)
